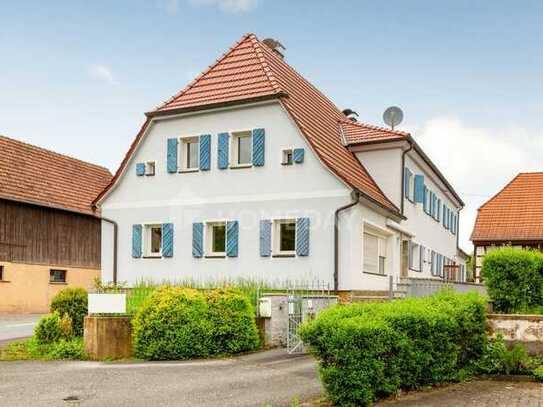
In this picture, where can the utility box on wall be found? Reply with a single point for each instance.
(265, 308)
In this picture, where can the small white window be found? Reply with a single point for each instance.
(287, 157)
(242, 148)
(190, 153)
(153, 240)
(216, 239)
(284, 237)
(411, 191)
(150, 168)
(374, 254)
(414, 256)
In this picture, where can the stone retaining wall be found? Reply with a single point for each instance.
(524, 329)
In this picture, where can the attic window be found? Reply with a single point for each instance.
(242, 148)
(150, 168)
(287, 157)
(190, 154)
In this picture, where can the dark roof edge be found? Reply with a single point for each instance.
(90, 212)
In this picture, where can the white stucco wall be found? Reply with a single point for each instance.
(247, 195)
(429, 232)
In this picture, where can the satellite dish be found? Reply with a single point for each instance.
(393, 116)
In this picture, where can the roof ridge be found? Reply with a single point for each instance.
(257, 46)
(42, 149)
(204, 72)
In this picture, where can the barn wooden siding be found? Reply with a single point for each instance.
(38, 235)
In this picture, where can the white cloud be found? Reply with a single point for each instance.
(101, 73)
(228, 6)
(478, 162)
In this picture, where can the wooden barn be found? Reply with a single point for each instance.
(50, 238)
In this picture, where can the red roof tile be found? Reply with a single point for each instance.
(34, 175)
(250, 70)
(360, 133)
(513, 214)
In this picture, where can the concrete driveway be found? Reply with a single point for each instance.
(270, 378)
(16, 326)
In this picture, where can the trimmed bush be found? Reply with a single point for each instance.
(182, 323)
(233, 320)
(514, 279)
(369, 351)
(538, 373)
(48, 329)
(74, 303)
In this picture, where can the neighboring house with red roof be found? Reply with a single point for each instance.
(514, 216)
(50, 237)
(251, 172)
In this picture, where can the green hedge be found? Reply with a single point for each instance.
(369, 351)
(74, 303)
(181, 323)
(514, 279)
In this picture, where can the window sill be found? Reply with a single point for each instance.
(279, 255)
(375, 274)
(152, 257)
(215, 256)
(415, 270)
(286, 164)
(57, 283)
(240, 166)
(189, 170)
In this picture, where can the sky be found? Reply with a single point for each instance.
(76, 76)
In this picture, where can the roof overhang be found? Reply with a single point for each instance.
(31, 202)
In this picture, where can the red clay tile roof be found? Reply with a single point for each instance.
(513, 214)
(360, 133)
(37, 176)
(249, 71)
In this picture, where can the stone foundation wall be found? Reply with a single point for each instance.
(524, 329)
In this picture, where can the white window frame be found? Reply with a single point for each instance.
(208, 236)
(276, 238)
(284, 156)
(382, 240)
(234, 150)
(147, 242)
(415, 248)
(183, 142)
(150, 168)
(411, 186)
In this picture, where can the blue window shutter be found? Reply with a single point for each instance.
(421, 258)
(140, 169)
(172, 155)
(298, 155)
(265, 238)
(259, 147)
(197, 239)
(205, 152)
(222, 153)
(438, 217)
(444, 216)
(419, 188)
(232, 236)
(136, 241)
(302, 236)
(167, 239)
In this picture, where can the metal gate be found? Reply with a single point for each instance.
(300, 309)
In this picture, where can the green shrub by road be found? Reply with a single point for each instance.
(369, 351)
(514, 279)
(74, 303)
(181, 323)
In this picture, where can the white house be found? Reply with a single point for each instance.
(251, 172)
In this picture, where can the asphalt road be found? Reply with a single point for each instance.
(264, 379)
(17, 326)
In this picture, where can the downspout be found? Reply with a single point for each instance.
(355, 196)
(402, 176)
(115, 234)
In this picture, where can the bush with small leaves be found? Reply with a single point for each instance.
(74, 303)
